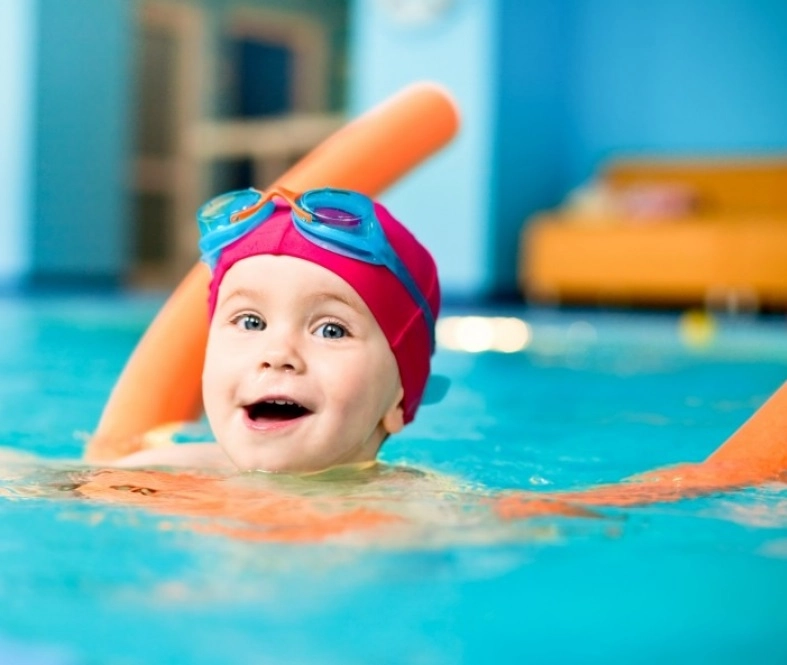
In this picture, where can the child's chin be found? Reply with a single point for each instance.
(256, 465)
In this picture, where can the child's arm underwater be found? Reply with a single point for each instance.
(756, 453)
(174, 446)
(188, 455)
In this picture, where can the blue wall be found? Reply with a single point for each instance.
(572, 83)
(83, 129)
(17, 66)
(445, 202)
(675, 76)
(530, 120)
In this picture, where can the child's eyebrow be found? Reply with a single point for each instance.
(241, 292)
(352, 301)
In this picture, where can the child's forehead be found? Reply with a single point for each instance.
(268, 275)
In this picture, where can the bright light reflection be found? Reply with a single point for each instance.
(475, 334)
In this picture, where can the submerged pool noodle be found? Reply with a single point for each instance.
(161, 382)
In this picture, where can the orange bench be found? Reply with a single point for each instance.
(727, 248)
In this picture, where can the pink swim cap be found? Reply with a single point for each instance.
(397, 314)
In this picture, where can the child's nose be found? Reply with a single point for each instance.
(281, 352)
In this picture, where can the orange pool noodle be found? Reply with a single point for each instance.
(242, 513)
(756, 453)
(161, 381)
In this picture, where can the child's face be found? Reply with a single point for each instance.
(298, 374)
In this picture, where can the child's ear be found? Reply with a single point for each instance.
(393, 420)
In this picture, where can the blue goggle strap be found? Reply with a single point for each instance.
(395, 265)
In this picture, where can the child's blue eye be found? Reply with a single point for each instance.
(250, 322)
(331, 331)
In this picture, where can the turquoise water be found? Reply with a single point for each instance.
(594, 397)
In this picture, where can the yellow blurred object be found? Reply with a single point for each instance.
(697, 328)
(728, 249)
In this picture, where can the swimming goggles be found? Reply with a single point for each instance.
(339, 220)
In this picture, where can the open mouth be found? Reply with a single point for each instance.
(279, 410)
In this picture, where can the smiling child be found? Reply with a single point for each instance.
(322, 329)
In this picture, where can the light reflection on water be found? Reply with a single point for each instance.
(593, 398)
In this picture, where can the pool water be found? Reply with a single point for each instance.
(594, 397)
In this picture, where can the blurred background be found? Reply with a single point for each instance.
(610, 152)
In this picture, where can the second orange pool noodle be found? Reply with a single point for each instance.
(161, 382)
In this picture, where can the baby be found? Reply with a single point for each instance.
(321, 333)
(322, 314)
